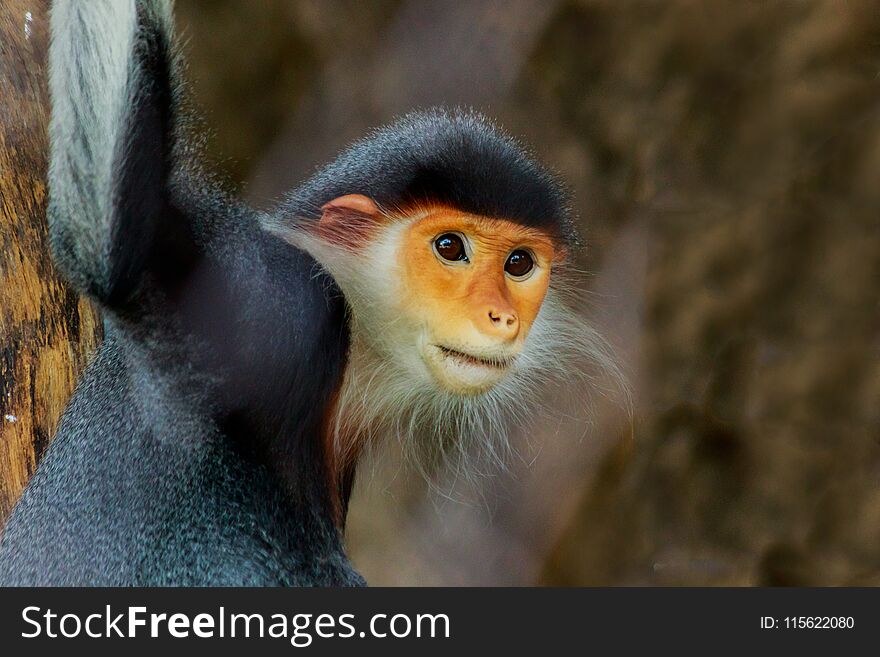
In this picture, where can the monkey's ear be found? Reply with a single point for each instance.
(350, 203)
(111, 78)
(348, 220)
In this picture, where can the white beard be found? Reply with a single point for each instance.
(388, 390)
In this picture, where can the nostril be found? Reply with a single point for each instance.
(503, 320)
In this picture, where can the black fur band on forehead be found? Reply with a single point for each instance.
(456, 158)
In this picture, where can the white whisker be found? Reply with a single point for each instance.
(388, 393)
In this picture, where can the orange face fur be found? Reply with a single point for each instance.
(476, 315)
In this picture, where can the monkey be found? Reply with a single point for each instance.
(413, 287)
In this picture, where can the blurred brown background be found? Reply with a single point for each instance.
(725, 162)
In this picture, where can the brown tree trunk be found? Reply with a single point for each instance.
(46, 330)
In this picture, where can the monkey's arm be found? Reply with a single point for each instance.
(112, 141)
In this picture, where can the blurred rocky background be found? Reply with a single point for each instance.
(725, 163)
(724, 159)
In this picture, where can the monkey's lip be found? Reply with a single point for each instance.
(494, 362)
(465, 373)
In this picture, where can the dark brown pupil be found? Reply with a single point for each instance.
(519, 263)
(450, 247)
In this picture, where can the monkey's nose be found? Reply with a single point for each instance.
(503, 324)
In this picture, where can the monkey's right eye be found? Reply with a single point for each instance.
(450, 246)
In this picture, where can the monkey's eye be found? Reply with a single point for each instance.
(519, 263)
(450, 246)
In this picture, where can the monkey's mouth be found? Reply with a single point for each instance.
(495, 362)
(464, 373)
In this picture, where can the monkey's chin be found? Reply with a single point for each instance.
(462, 373)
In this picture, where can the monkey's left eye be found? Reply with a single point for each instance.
(519, 263)
(450, 246)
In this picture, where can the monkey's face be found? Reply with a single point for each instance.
(471, 287)
(446, 296)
